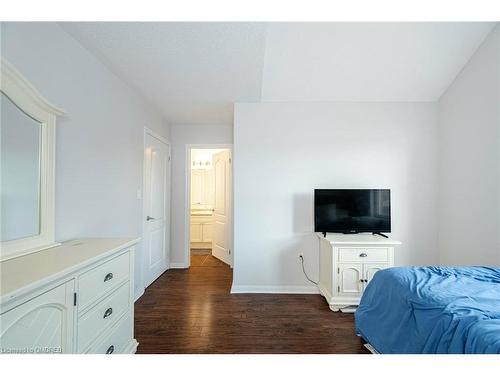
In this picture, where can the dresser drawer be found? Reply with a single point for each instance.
(100, 280)
(350, 255)
(115, 341)
(103, 315)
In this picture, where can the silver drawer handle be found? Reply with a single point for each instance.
(108, 313)
(110, 350)
(363, 255)
(108, 277)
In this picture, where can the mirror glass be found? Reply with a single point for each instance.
(20, 172)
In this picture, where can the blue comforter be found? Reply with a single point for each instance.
(432, 310)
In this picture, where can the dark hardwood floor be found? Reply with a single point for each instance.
(192, 311)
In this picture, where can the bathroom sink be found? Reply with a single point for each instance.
(201, 212)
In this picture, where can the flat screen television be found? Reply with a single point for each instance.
(352, 210)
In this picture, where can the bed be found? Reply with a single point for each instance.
(432, 310)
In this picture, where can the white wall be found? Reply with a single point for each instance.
(469, 155)
(99, 140)
(183, 135)
(282, 151)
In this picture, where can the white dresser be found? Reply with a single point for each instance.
(347, 263)
(74, 298)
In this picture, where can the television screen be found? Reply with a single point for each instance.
(352, 210)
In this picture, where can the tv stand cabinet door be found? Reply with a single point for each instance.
(350, 280)
(370, 269)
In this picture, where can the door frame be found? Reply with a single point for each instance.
(187, 197)
(168, 195)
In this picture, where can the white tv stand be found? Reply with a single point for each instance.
(347, 263)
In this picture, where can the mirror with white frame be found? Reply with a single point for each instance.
(27, 129)
(20, 172)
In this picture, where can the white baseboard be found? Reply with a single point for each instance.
(275, 289)
(138, 294)
(178, 265)
(131, 348)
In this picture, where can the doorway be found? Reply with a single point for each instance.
(209, 208)
(156, 209)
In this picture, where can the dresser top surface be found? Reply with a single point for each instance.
(358, 239)
(25, 271)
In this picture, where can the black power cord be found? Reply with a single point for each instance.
(304, 270)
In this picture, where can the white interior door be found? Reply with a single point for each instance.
(156, 208)
(222, 226)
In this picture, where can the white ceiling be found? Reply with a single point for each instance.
(394, 62)
(194, 72)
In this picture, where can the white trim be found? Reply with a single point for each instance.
(139, 294)
(20, 91)
(187, 198)
(131, 348)
(148, 131)
(179, 265)
(156, 135)
(274, 289)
